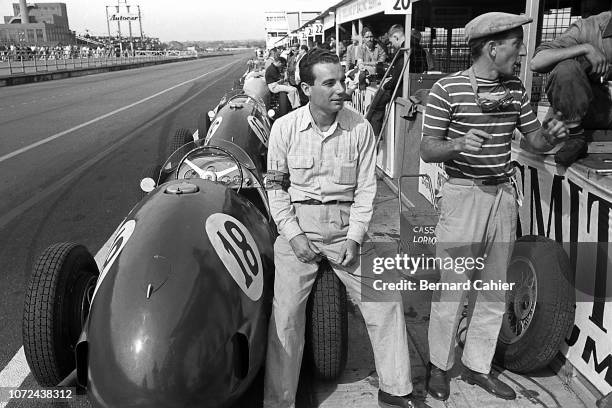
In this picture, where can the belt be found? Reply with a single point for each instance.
(479, 182)
(312, 201)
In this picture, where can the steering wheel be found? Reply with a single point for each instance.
(207, 174)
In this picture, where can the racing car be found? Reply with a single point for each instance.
(177, 314)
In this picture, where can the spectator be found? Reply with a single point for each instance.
(579, 63)
(274, 80)
(353, 52)
(371, 53)
(301, 52)
(385, 92)
(292, 64)
(418, 54)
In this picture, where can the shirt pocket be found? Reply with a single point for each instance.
(346, 172)
(300, 168)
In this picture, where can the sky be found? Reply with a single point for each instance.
(180, 20)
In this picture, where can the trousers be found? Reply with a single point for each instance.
(326, 227)
(579, 96)
(292, 93)
(378, 112)
(475, 221)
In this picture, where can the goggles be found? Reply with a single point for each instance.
(488, 102)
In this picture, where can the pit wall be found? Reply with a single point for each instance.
(565, 205)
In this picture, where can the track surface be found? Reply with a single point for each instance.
(71, 157)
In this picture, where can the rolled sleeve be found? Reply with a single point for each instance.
(281, 209)
(574, 35)
(361, 210)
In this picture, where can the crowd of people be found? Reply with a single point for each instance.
(44, 52)
(96, 49)
(321, 185)
(364, 62)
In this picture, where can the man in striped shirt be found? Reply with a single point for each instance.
(468, 125)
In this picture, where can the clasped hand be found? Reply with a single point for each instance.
(306, 252)
(554, 129)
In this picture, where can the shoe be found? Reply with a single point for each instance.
(438, 383)
(386, 400)
(489, 383)
(573, 149)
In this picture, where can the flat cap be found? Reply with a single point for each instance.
(493, 23)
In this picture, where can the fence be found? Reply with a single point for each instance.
(14, 65)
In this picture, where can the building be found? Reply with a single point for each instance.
(47, 24)
(280, 24)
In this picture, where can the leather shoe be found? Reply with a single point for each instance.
(438, 383)
(386, 400)
(573, 149)
(489, 383)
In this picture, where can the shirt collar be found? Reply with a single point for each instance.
(608, 31)
(306, 119)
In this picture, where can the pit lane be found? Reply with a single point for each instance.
(72, 153)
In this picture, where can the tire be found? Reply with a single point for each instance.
(546, 298)
(56, 307)
(327, 326)
(181, 137)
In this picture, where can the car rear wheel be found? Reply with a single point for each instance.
(181, 137)
(327, 325)
(540, 307)
(56, 307)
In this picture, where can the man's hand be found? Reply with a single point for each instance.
(554, 129)
(472, 141)
(599, 62)
(349, 251)
(304, 250)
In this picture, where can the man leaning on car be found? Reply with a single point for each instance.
(327, 154)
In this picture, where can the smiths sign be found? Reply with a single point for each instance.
(122, 17)
(574, 208)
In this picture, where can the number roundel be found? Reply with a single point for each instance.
(259, 129)
(238, 251)
(213, 128)
(123, 234)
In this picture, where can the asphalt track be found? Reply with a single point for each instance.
(72, 153)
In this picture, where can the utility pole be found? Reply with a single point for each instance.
(119, 28)
(140, 22)
(108, 25)
(130, 28)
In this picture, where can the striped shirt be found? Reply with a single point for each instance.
(452, 111)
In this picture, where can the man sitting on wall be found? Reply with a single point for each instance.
(352, 53)
(578, 61)
(385, 94)
(370, 53)
(274, 81)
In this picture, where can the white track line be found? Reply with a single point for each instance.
(14, 373)
(99, 118)
(17, 369)
(18, 210)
